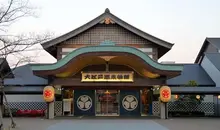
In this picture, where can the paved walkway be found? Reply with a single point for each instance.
(116, 124)
(107, 125)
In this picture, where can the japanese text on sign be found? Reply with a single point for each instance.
(107, 76)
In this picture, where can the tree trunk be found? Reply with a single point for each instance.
(9, 110)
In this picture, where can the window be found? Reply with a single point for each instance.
(151, 56)
(68, 49)
(146, 49)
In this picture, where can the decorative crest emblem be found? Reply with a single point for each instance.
(84, 102)
(130, 102)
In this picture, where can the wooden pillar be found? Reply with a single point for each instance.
(2, 105)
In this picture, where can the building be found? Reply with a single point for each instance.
(108, 67)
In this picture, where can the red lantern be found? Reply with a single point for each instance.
(165, 94)
(48, 94)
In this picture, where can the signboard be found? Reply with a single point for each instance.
(107, 77)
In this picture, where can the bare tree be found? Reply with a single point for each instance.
(14, 45)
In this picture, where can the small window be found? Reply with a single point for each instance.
(218, 50)
(151, 56)
(146, 49)
(68, 49)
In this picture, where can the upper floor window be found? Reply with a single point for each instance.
(151, 56)
(146, 49)
(68, 49)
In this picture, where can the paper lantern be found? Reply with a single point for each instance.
(176, 96)
(48, 94)
(198, 97)
(165, 94)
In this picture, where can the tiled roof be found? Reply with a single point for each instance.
(214, 41)
(5, 70)
(192, 72)
(24, 76)
(214, 58)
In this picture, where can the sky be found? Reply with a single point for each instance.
(186, 23)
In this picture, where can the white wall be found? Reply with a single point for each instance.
(208, 98)
(212, 71)
(24, 98)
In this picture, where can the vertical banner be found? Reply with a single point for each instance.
(129, 103)
(84, 102)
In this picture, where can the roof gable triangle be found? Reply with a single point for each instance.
(107, 18)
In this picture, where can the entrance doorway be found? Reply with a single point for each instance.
(107, 102)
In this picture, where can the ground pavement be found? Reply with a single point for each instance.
(116, 124)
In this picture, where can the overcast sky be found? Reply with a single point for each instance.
(186, 23)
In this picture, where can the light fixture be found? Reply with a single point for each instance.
(107, 92)
(218, 96)
(176, 96)
(197, 96)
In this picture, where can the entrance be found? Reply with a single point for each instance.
(107, 102)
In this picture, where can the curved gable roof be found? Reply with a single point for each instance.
(100, 18)
(89, 49)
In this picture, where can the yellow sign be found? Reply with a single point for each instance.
(107, 77)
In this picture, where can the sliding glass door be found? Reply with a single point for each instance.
(107, 102)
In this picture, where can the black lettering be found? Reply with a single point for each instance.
(106, 76)
(119, 76)
(87, 76)
(93, 76)
(126, 76)
(100, 76)
(113, 76)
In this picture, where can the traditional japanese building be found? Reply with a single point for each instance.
(108, 67)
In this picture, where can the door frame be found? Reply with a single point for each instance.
(118, 107)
